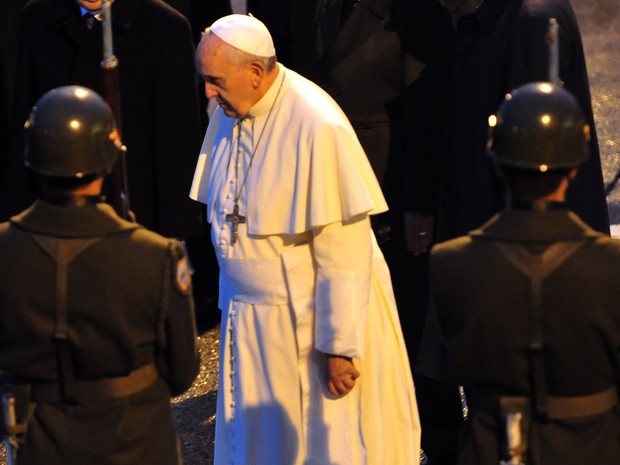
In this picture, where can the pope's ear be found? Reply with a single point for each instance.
(257, 68)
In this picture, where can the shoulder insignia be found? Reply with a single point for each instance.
(183, 279)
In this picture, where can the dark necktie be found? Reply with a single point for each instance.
(89, 20)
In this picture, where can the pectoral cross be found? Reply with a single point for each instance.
(235, 219)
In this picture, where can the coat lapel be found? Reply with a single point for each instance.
(123, 13)
(65, 17)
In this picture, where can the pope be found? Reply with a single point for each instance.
(313, 367)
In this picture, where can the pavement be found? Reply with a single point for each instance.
(599, 21)
(600, 26)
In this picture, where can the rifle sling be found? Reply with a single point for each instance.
(537, 267)
(69, 389)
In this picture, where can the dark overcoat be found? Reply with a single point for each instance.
(9, 49)
(127, 306)
(502, 46)
(387, 64)
(159, 99)
(482, 320)
(291, 24)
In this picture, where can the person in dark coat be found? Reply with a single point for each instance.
(159, 99)
(388, 64)
(9, 46)
(292, 26)
(200, 15)
(205, 271)
(502, 45)
(526, 307)
(96, 314)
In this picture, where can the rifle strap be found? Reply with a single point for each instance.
(537, 267)
(63, 251)
(69, 389)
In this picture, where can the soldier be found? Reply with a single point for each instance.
(526, 307)
(96, 315)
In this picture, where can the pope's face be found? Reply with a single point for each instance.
(229, 83)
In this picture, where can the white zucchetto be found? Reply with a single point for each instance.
(245, 33)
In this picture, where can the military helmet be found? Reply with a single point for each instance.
(71, 133)
(539, 126)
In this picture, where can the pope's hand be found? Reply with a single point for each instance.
(341, 375)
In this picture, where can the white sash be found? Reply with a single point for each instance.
(274, 281)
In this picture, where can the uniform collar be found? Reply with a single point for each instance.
(65, 200)
(535, 225)
(71, 221)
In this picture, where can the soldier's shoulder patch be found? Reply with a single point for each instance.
(182, 277)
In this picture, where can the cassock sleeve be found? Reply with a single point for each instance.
(343, 253)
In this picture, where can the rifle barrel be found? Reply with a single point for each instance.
(554, 52)
(116, 181)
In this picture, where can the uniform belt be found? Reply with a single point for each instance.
(101, 389)
(558, 407)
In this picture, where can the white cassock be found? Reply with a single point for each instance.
(304, 277)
